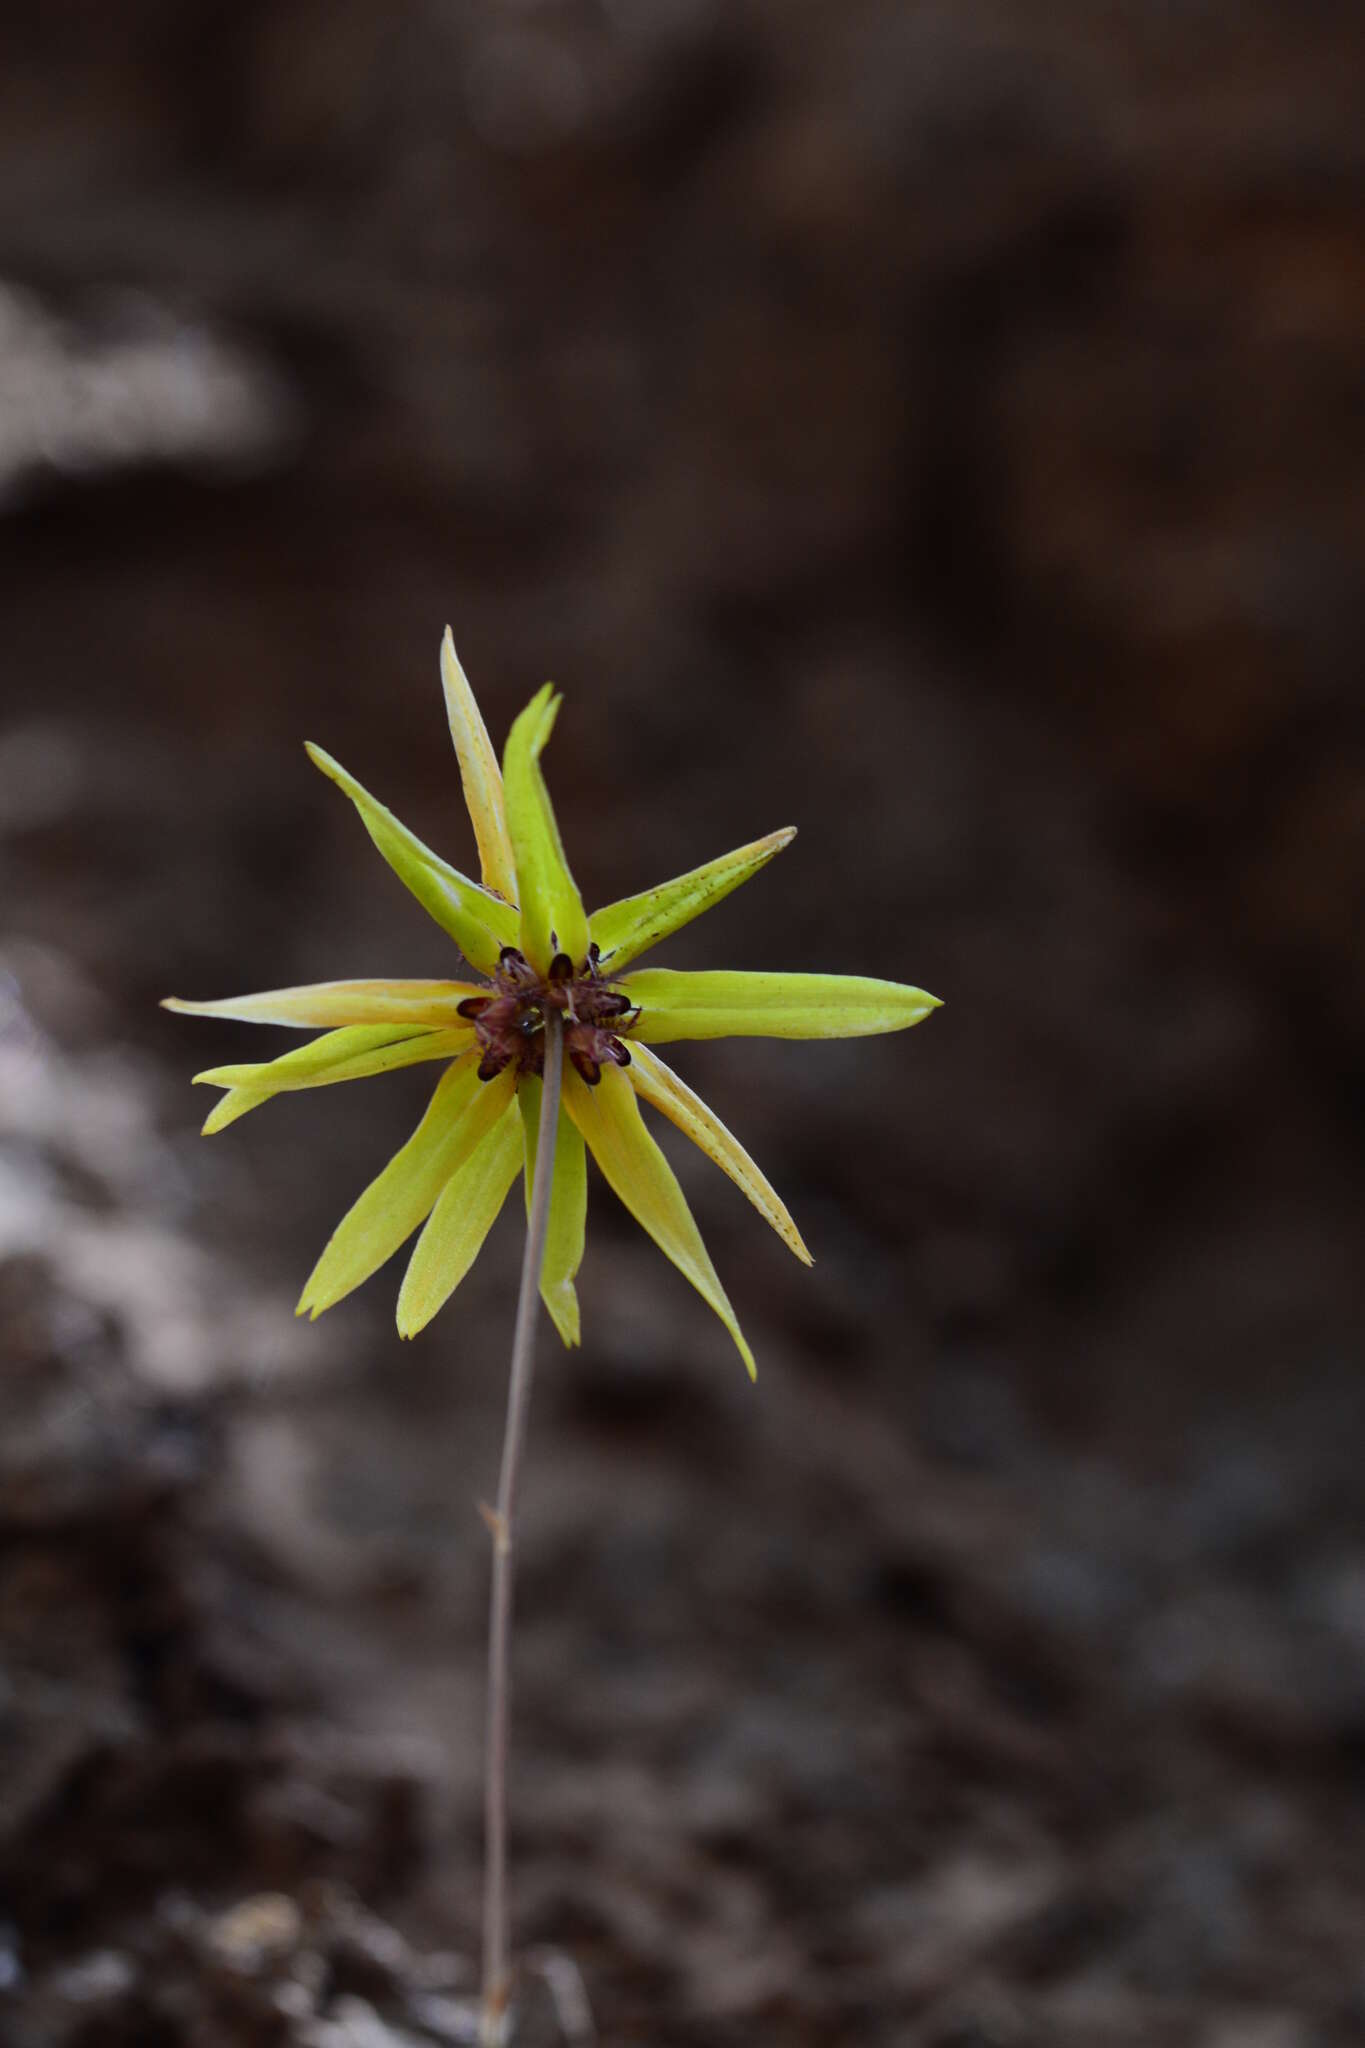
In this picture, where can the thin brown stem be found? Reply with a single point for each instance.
(497, 1980)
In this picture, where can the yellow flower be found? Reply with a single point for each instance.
(524, 928)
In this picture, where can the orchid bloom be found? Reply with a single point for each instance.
(524, 928)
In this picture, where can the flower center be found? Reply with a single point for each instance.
(509, 1022)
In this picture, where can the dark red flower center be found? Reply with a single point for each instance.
(509, 1022)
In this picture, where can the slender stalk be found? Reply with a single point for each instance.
(497, 1981)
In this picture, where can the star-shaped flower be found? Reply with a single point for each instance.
(524, 928)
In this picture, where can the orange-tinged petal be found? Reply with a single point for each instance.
(552, 916)
(480, 923)
(636, 1170)
(722, 1004)
(461, 1112)
(480, 776)
(566, 1227)
(661, 1087)
(321, 1005)
(465, 1212)
(626, 929)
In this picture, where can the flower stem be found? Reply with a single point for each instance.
(497, 1982)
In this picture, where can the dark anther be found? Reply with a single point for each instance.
(594, 953)
(509, 1022)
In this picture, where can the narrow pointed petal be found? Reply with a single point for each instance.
(636, 1170)
(552, 915)
(461, 1112)
(676, 1005)
(480, 923)
(567, 1226)
(465, 1212)
(228, 1108)
(660, 1086)
(626, 929)
(480, 775)
(322, 1005)
(347, 1055)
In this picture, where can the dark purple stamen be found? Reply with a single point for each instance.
(509, 1022)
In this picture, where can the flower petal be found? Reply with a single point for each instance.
(567, 1225)
(634, 1167)
(480, 776)
(461, 1112)
(626, 929)
(480, 923)
(322, 1004)
(228, 1108)
(552, 915)
(661, 1087)
(465, 1212)
(676, 1004)
(347, 1055)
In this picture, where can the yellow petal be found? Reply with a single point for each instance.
(480, 923)
(636, 1170)
(324, 1004)
(461, 1112)
(228, 1108)
(626, 929)
(346, 1055)
(661, 1087)
(465, 1212)
(480, 776)
(566, 1227)
(726, 1005)
(552, 915)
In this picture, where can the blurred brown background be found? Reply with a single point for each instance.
(936, 423)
